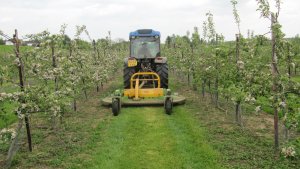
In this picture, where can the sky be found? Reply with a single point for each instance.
(123, 16)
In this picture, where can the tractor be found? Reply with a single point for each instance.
(145, 56)
(145, 75)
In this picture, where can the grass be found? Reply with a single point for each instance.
(196, 135)
(140, 137)
(148, 138)
(7, 115)
(249, 146)
(265, 104)
(296, 78)
(7, 109)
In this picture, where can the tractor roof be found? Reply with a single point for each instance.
(144, 33)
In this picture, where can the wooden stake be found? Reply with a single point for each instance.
(21, 79)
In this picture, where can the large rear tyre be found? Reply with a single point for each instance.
(128, 72)
(162, 71)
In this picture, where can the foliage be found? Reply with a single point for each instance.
(245, 78)
(57, 73)
(2, 41)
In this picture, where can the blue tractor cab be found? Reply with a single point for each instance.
(144, 43)
(144, 33)
(145, 56)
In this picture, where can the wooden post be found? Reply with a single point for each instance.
(217, 75)
(237, 59)
(238, 117)
(95, 58)
(289, 62)
(21, 83)
(237, 52)
(203, 87)
(275, 74)
(54, 65)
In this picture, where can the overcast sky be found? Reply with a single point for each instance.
(122, 16)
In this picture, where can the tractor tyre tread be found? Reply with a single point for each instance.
(127, 73)
(162, 71)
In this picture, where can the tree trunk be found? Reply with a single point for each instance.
(84, 88)
(286, 134)
(217, 82)
(194, 80)
(237, 55)
(238, 116)
(74, 99)
(275, 74)
(54, 64)
(217, 92)
(188, 78)
(53, 118)
(203, 88)
(74, 105)
(70, 50)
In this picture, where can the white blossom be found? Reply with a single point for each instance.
(257, 109)
(288, 151)
(240, 64)
(7, 135)
(17, 62)
(207, 68)
(293, 65)
(282, 104)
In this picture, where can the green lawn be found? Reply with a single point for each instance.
(296, 78)
(7, 109)
(7, 115)
(196, 135)
(148, 138)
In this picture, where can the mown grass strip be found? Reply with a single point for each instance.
(145, 137)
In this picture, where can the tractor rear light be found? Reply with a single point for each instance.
(159, 58)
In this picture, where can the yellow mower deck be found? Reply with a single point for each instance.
(177, 100)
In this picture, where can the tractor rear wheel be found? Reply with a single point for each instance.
(162, 71)
(128, 72)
